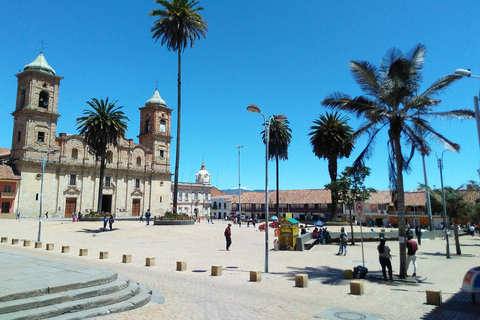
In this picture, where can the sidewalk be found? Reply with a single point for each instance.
(196, 294)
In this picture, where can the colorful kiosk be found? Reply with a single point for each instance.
(288, 233)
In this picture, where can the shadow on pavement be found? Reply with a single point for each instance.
(459, 304)
(100, 230)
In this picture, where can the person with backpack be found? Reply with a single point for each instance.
(343, 242)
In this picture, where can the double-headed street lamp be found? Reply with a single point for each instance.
(239, 186)
(255, 109)
(44, 155)
(447, 225)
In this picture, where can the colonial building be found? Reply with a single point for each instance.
(137, 176)
(194, 198)
(9, 183)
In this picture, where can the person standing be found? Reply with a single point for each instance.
(110, 222)
(412, 248)
(418, 233)
(384, 257)
(141, 217)
(147, 216)
(228, 236)
(46, 215)
(343, 242)
(105, 220)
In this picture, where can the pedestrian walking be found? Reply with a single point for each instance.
(105, 220)
(343, 242)
(418, 233)
(384, 257)
(147, 216)
(412, 248)
(46, 215)
(110, 222)
(18, 216)
(141, 217)
(228, 236)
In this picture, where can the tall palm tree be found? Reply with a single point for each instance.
(102, 126)
(331, 139)
(280, 137)
(391, 102)
(179, 23)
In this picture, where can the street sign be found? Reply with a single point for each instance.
(359, 208)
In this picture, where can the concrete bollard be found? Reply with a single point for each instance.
(301, 280)
(27, 243)
(256, 276)
(150, 262)
(181, 265)
(49, 246)
(83, 252)
(356, 287)
(127, 258)
(14, 241)
(216, 271)
(4, 239)
(65, 249)
(434, 297)
(38, 245)
(103, 255)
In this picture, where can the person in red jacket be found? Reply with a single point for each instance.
(228, 236)
(412, 248)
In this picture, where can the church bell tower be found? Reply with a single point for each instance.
(35, 115)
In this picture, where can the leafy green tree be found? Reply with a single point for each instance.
(179, 23)
(280, 138)
(350, 188)
(331, 139)
(392, 102)
(102, 127)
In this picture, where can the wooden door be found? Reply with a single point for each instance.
(135, 207)
(70, 207)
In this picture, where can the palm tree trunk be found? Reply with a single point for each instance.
(278, 197)
(100, 186)
(332, 171)
(457, 240)
(177, 153)
(400, 206)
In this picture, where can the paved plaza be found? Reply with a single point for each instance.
(195, 294)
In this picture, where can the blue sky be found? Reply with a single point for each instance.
(283, 56)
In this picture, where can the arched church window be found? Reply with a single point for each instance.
(162, 125)
(74, 153)
(43, 101)
(109, 157)
(147, 126)
(22, 99)
(139, 161)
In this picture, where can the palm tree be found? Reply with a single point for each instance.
(102, 126)
(391, 101)
(457, 207)
(280, 137)
(179, 23)
(331, 139)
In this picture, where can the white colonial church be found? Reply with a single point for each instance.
(137, 176)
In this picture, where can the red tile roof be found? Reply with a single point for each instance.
(6, 173)
(4, 151)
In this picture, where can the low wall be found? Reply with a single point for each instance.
(174, 222)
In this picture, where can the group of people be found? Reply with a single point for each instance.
(109, 220)
(321, 234)
(385, 257)
(148, 214)
(75, 217)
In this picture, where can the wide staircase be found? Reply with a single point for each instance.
(96, 292)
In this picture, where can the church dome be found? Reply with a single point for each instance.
(40, 64)
(203, 176)
(156, 100)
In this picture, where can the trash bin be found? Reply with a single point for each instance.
(288, 233)
(276, 245)
(471, 282)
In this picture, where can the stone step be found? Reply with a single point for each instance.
(72, 307)
(144, 297)
(72, 295)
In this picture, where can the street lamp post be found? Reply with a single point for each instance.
(468, 73)
(44, 155)
(440, 165)
(255, 109)
(239, 188)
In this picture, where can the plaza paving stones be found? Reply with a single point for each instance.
(341, 314)
(194, 294)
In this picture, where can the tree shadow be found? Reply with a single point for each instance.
(459, 304)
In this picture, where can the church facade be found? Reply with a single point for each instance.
(137, 176)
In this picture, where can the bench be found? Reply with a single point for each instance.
(305, 242)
